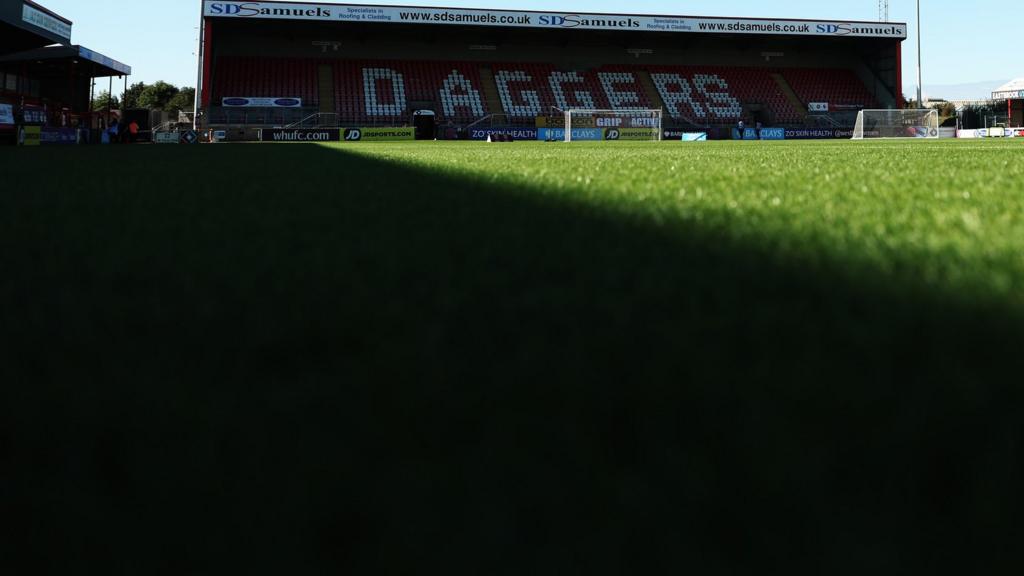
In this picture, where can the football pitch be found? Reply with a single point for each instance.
(517, 358)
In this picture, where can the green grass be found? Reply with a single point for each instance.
(517, 358)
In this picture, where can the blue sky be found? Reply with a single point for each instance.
(965, 52)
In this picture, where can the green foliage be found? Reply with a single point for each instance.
(103, 100)
(183, 100)
(157, 96)
(131, 96)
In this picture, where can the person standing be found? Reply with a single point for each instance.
(133, 132)
(741, 128)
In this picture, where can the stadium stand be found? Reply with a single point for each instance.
(382, 71)
(384, 90)
(46, 82)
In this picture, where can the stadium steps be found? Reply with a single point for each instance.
(644, 77)
(790, 94)
(325, 88)
(490, 88)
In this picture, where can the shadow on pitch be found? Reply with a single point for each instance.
(318, 360)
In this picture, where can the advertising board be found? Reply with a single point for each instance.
(29, 135)
(631, 134)
(33, 115)
(166, 138)
(592, 134)
(6, 114)
(300, 135)
(515, 133)
(98, 58)
(763, 134)
(991, 133)
(549, 20)
(40, 19)
(817, 133)
(245, 102)
(58, 136)
(379, 134)
(694, 137)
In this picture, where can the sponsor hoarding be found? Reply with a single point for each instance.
(991, 133)
(763, 134)
(1008, 95)
(379, 134)
(98, 58)
(577, 134)
(817, 133)
(515, 133)
(58, 136)
(694, 136)
(549, 20)
(300, 135)
(631, 134)
(166, 137)
(40, 19)
(29, 135)
(33, 115)
(6, 114)
(244, 102)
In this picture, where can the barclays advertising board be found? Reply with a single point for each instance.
(592, 134)
(762, 134)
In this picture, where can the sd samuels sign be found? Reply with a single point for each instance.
(268, 10)
(549, 20)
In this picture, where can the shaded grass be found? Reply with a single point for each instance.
(506, 359)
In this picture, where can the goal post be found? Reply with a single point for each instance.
(872, 124)
(631, 124)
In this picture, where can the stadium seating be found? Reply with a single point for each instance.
(839, 88)
(267, 78)
(385, 91)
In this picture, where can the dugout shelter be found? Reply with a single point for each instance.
(46, 82)
(471, 73)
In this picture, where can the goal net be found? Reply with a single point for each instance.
(896, 124)
(586, 124)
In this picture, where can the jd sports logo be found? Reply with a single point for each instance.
(613, 134)
(353, 135)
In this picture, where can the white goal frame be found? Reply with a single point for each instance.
(897, 124)
(655, 115)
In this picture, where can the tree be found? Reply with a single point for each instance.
(157, 96)
(184, 100)
(947, 110)
(103, 100)
(131, 96)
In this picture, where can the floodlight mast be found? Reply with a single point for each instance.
(200, 56)
(921, 103)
